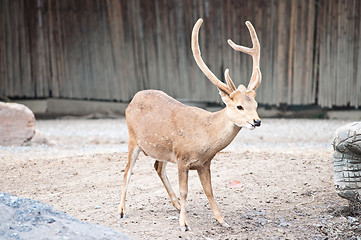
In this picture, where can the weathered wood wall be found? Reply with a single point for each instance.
(110, 49)
(339, 46)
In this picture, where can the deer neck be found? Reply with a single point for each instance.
(224, 130)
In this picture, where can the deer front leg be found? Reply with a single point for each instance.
(183, 190)
(160, 168)
(133, 152)
(205, 177)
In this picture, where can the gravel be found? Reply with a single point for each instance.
(23, 218)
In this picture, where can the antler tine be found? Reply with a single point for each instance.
(255, 52)
(229, 81)
(254, 85)
(197, 56)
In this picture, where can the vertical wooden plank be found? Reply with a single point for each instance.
(137, 44)
(172, 48)
(60, 57)
(264, 21)
(43, 47)
(106, 55)
(161, 43)
(325, 70)
(11, 62)
(148, 14)
(353, 11)
(282, 66)
(339, 61)
(357, 62)
(293, 32)
(133, 79)
(24, 60)
(181, 48)
(316, 61)
(3, 79)
(303, 39)
(53, 83)
(4, 47)
(198, 82)
(311, 42)
(16, 32)
(34, 15)
(117, 47)
(188, 21)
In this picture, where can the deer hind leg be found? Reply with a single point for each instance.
(183, 190)
(133, 152)
(160, 168)
(205, 177)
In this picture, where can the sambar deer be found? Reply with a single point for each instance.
(169, 131)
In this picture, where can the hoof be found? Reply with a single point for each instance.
(177, 205)
(185, 228)
(226, 225)
(122, 215)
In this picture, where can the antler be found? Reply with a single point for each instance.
(255, 53)
(197, 56)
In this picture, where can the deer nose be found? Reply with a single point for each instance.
(257, 122)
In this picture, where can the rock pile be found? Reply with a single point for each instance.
(23, 218)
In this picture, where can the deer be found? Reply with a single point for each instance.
(172, 132)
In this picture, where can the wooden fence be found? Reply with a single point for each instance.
(338, 48)
(110, 49)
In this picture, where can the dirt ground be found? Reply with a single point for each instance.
(284, 169)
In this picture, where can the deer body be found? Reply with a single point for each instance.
(169, 131)
(177, 132)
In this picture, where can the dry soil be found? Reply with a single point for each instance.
(283, 169)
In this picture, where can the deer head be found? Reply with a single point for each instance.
(241, 106)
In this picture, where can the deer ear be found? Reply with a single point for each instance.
(225, 97)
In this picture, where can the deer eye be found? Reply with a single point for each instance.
(239, 107)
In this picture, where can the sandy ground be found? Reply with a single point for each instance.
(284, 169)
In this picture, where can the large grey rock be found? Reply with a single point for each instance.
(22, 218)
(17, 124)
(347, 162)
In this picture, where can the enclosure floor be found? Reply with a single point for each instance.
(284, 169)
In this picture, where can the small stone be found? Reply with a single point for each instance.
(50, 220)
(262, 221)
(234, 184)
(284, 223)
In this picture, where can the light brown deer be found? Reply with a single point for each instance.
(169, 131)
